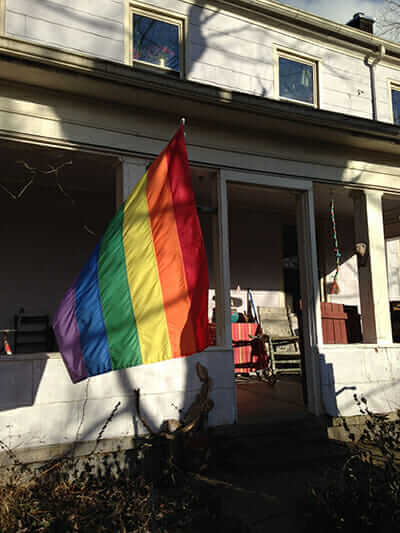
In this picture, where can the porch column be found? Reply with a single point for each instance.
(221, 251)
(310, 295)
(372, 274)
(129, 172)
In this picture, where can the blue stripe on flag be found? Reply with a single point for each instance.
(90, 319)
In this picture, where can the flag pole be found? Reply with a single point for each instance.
(183, 121)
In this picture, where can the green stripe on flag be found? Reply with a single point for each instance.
(115, 298)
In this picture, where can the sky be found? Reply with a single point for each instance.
(338, 10)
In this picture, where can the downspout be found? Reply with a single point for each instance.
(371, 61)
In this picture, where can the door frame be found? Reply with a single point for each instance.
(308, 265)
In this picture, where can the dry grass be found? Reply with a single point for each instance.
(54, 503)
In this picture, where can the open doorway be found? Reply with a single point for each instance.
(266, 302)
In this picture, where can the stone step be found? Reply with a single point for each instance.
(277, 446)
(283, 458)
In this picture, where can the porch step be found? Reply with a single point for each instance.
(279, 446)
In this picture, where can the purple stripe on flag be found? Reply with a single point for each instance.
(67, 334)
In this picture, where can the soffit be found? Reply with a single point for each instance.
(49, 68)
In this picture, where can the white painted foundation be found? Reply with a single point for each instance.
(370, 371)
(40, 406)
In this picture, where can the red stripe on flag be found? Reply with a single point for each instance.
(190, 236)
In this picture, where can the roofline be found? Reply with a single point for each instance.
(50, 68)
(345, 35)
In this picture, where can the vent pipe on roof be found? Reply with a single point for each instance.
(362, 22)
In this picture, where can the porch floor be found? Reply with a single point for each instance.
(258, 401)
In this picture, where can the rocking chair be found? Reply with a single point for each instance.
(281, 344)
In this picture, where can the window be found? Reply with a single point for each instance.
(396, 105)
(297, 79)
(157, 42)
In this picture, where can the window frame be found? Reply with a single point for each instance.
(2, 17)
(162, 16)
(393, 86)
(299, 58)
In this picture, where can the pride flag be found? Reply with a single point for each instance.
(142, 295)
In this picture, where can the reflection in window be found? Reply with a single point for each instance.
(156, 42)
(296, 80)
(396, 105)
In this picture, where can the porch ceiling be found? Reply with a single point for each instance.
(77, 170)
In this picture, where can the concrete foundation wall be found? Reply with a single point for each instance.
(40, 406)
(369, 371)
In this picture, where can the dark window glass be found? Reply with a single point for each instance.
(296, 80)
(156, 42)
(396, 106)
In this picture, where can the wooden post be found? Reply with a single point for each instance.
(372, 274)
(221, 241)
(309, 283)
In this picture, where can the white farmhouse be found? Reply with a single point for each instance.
(294, 144)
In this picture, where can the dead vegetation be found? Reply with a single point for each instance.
(161, 495)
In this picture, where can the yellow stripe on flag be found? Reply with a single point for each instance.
(143, 278)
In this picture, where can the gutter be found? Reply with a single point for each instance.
(371, 60)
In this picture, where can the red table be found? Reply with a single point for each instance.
(248, 355)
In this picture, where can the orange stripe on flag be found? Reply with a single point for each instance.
(171, 268)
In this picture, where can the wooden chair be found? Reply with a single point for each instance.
(281, 343)
(32, 333)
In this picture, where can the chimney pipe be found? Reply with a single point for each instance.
(362, 22)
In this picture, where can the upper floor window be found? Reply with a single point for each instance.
(396, 105)
(157, 41)
(297, 79)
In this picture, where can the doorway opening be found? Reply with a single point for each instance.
(266, 304)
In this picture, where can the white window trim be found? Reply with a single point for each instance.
(2, 17)
(393, 86)
(301, 58)
(178, 20)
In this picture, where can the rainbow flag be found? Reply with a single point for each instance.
(142, 295)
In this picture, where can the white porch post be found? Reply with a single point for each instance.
(309, 283)
(372, 274)
(129, 172)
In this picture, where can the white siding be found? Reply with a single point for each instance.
(223, 49)
(393, 268)
(88, 26)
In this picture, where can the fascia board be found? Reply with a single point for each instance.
(50, 68)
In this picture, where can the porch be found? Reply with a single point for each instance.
(267, 236)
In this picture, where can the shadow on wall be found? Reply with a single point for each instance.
(328, 388)
(20, 378)
(203, 38)
(55, 411)
(380, 391)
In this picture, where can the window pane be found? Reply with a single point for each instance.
(396, 106)
(156, 42)
(296, 80)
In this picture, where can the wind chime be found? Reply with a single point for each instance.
(334, 288)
